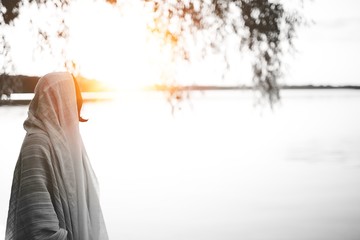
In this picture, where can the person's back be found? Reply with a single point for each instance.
(35, 191)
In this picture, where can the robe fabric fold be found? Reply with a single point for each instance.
(54, 194)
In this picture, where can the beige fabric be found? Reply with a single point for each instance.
(54, 193)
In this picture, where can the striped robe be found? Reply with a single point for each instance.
(54, 193)
(38, 213)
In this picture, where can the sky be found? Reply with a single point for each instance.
(327, 50)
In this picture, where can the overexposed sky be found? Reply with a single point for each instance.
(328, 50)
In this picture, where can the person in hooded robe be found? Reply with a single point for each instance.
(54, 193)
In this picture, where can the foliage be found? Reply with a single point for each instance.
(265, 28)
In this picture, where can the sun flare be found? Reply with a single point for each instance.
(114, 45)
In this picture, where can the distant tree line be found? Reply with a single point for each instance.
(26, 84)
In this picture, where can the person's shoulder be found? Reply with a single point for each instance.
(35, 155)
(36, 144)
(37, 138)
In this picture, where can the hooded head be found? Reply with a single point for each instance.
(59, 91)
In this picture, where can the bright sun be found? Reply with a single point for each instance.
(114, 44)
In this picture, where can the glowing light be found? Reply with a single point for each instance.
(113, 44)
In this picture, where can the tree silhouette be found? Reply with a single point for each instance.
(265, 28)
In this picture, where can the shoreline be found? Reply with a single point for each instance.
(17, 99)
